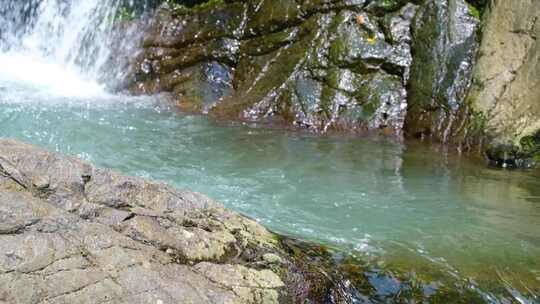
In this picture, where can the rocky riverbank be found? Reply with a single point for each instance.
(73, 233)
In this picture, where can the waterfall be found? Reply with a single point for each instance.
(65, 43)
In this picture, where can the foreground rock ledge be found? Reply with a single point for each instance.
(73, 233)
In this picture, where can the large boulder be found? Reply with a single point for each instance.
(73, 233)
(505, 94)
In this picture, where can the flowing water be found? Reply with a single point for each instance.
(399, 206)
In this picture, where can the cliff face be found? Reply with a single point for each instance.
(506, 84)
(315, 64)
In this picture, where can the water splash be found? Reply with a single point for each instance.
(49, 78)
(62, 46)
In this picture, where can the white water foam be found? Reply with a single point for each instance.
(46, 77)
(57, 47)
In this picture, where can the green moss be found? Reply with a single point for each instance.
(477, 123)
(527, 142)
(125, 14)
(530, 145)
(474, 11)
(390, 4)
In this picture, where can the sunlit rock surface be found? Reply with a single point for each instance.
(73, 233)
(506, 86)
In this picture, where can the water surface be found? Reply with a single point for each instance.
(399, 205)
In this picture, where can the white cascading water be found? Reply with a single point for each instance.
(60, 47)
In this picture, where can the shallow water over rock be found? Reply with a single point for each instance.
(397, 206)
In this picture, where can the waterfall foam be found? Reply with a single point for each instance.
(61, 46)
(46, 77)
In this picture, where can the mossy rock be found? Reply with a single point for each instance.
(272, 15)
(178, 29)
(305, 67)
(509, 155)
(445, 44)
(265, 44)
(357, 41)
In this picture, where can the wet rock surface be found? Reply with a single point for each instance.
(427, 69)
(445, 43)
(73, 233)
(314, 64)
